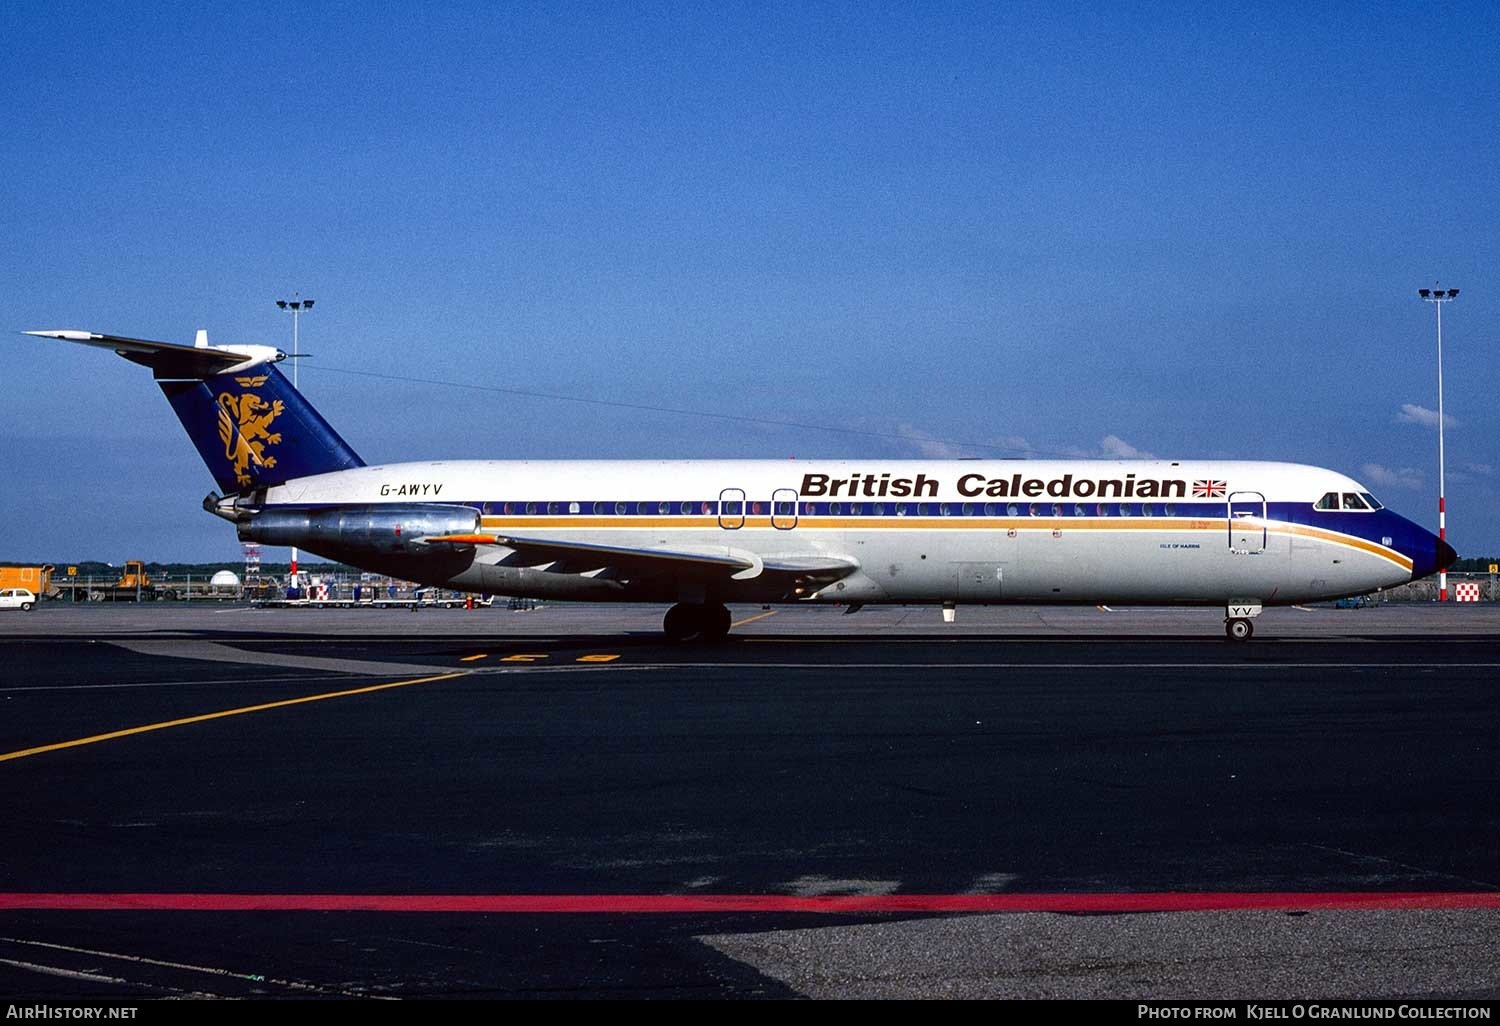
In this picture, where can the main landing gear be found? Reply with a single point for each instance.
(703, 621)
(1238, 628)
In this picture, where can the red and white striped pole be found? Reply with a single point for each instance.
(1438, 297)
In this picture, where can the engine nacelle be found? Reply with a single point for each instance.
(357, 530)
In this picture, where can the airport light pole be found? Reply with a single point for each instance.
(296, 306)
(1437, 297)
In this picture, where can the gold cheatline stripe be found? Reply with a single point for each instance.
(1349, 540)
(954, 523)
(220, 715)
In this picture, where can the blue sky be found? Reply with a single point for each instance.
(945, 229)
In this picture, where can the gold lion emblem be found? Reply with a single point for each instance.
(244, 428)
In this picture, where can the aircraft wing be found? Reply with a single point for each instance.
(707, 562)
(167, 359)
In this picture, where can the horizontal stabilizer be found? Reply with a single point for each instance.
(170, 360)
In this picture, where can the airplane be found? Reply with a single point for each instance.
(699, 534)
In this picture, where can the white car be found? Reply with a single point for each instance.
(17, 598)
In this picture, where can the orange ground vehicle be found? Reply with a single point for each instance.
(32, 578)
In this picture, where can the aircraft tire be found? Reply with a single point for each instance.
(714, 621)
(683, 622)
(1239, 628)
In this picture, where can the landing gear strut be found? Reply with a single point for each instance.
(703, 621)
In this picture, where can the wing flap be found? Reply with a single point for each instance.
(716, 560)
(712, 561)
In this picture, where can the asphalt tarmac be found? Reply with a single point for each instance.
(220, 801)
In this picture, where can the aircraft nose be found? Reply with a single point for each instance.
(1440, 556)
(1446, 555)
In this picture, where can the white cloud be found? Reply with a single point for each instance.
(1414, 414)
(927, 445)
(930, 446)
(1482, 469)
(1014, 444)
(1385, 477)
(1114, 445)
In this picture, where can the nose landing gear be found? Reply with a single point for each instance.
(1237, 614)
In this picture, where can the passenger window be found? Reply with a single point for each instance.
(1124, 509)
(856, 508)
(1102, 510)
(1079, 510)
(1034, 510)
(968, 509)
(879, 509)
(1171, 509)
(1012, 509)
(991, 509)
(1147, 509)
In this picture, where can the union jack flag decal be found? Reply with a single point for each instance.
(1209, 489)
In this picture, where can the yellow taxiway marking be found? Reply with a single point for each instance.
(752, 619)
(470, 659)
(7, 756)
(602, 657)
(526, 657)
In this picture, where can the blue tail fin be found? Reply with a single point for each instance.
(254, 429)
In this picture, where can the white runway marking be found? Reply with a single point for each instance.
(213, 651)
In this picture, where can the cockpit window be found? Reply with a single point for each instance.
(1374, 503)
(1353, 501)
(1330, 500)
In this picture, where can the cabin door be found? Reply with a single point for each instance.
(1247, 522)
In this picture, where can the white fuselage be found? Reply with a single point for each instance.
(964, 531)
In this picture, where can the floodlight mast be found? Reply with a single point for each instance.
(1437, 297)
(296, 306)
